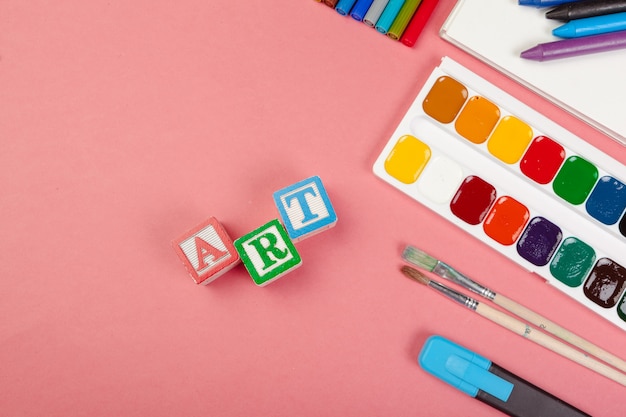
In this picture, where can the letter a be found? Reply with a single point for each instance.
(205, 250)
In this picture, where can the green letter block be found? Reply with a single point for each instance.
(268, 253)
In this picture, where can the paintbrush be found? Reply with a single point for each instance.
(519, 327)
(424, 261)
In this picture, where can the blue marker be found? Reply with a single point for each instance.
(544, 3)
(592, 26)
(389, 15)
(344, 6)
(360, 8)
(482, 379)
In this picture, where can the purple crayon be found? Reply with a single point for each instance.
(576, 46)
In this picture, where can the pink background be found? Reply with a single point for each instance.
(125, 123)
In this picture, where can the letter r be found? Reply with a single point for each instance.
(266, 244)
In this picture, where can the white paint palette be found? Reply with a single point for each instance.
(516, 181)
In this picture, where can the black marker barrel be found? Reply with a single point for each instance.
(527, 399)
(586, 8)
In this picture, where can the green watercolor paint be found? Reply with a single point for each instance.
(575, 180)
(572, 262)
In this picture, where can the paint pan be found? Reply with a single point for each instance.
(518, 182)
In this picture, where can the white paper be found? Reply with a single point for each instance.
(591, 87)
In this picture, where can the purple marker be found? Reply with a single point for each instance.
(576, 46)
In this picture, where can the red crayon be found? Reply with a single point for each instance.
(418, 21)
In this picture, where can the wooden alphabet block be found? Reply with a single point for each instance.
(305, 208)
(268, 253)
(206, 251)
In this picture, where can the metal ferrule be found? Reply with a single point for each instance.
(454, 295)
(446, 271)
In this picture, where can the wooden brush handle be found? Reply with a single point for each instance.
(548, 342)
(558, 331)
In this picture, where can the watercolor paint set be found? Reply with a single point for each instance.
(517, 181)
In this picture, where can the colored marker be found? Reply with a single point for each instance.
(389, 15)
(586, 8)
(374, 12)
(566, 48)
(402, 19)
(591, 26)
(488, 382)
(543, 3)
(330, 3)
(360, 8)
(417, 23)
(344, 6)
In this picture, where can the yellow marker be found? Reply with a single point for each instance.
(407, 159)
(510, 139)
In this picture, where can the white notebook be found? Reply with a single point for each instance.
(591, 87)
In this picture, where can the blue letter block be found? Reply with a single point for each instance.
(305, 208)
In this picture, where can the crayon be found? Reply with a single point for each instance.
(565, 48)
(417, 23)
(543, 3)
(586, 8)
(591, 26)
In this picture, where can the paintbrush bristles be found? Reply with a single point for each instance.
(415, 275)
(419, 258)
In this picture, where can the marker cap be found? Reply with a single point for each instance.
(462, 368)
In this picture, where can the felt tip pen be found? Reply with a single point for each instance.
(482, 379)
(418, 22)
(374, 12)
(388, 16)
(360, 8)
(344, 6)
(543, 3)
(586, 8)
(402, 19)
(591, 26)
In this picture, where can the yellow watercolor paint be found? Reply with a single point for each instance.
(510, 139)
(477, 119)
(407, 159)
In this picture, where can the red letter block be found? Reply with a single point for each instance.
(206, 251)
